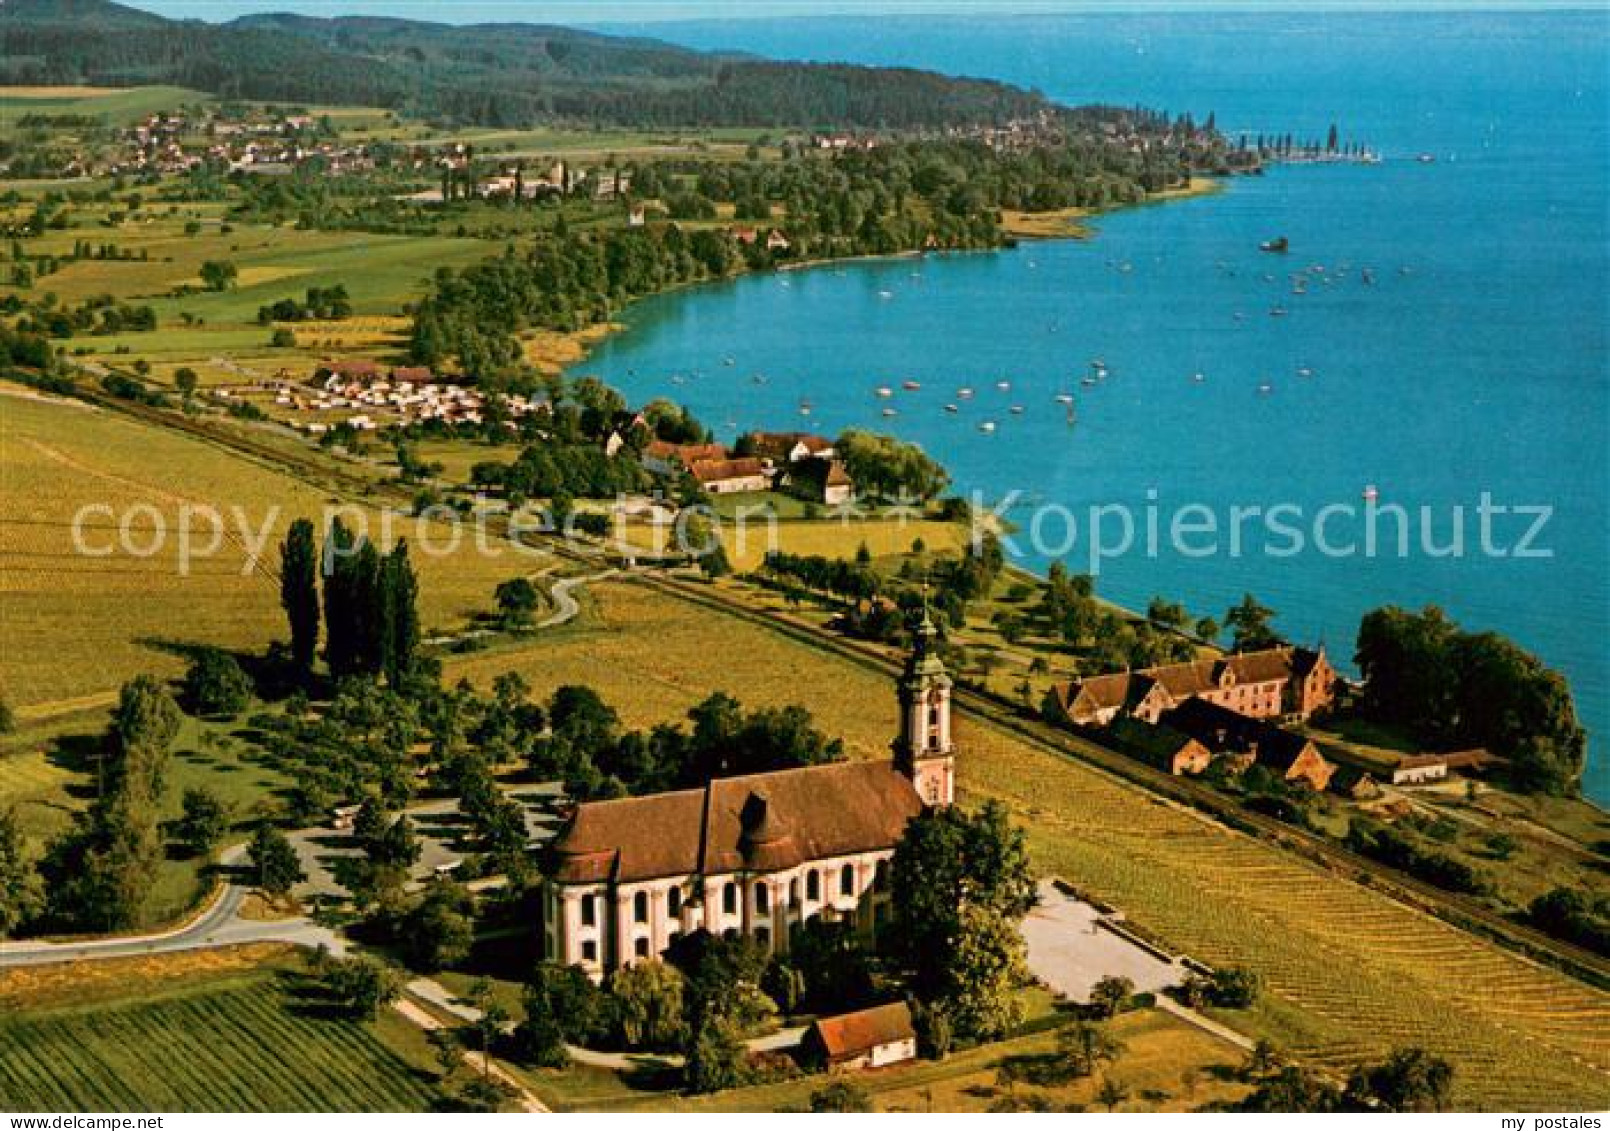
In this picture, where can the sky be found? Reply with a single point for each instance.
(601, 12)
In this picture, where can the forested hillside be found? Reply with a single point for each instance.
(499, 75)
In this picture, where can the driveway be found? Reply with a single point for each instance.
(440, 829)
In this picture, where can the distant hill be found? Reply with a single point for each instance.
(489, 74)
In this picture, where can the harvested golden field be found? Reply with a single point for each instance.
(78, 624)
(748, 537)
(1350, 973)
(78, 984)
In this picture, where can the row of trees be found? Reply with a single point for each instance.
(370, 618)
(1408, 1080)
(586, 745)
(320, 304)
(99, 873)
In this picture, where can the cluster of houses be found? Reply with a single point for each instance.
(277, 142)
(1016, 136)
(1181, 718)
(522, 182)
(267, 143)
(796, 462)
(772, 239)
(373, 397)
(840, 142)
(1184, 718)
(376, 397)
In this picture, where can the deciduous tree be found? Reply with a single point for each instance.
(21, 888)
(274, 862)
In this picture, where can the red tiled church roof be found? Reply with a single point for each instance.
(758, 822)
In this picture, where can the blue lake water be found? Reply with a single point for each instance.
(1476, 362)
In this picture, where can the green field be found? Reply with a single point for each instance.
(115, 106)
(241, 1041)
(380, 272)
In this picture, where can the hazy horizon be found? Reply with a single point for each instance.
(597, 13)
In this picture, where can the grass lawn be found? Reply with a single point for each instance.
(202, 1033)
(1349, 973)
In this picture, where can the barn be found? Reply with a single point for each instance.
(868, 1038)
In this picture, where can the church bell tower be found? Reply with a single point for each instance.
(924, 751)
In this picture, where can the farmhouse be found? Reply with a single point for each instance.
(756, 855)
(1419, 769)
(1291, 683)
(784, 448)
(1354, 784)
(664, 458)
(1292, 757)
(360, 369)
(868, 1038)
(1161, 747)
(820, 480)
(731, 476)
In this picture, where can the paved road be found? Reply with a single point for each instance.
(218, 924)
(1206, 1024)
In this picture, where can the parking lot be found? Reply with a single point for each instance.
(445, 838)
(1073, 945)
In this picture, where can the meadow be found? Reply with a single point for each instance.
(200, 1036)
(1167, 1065)
(114, 105)
(1350, 973)
(380, 272)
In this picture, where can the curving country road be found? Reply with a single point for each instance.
(218, 924)
(565, 606)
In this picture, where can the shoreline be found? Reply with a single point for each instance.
(582, 342)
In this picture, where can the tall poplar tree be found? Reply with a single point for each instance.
(399, 593)
(299, 592)
(341, 647)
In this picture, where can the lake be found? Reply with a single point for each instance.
(1443, 334)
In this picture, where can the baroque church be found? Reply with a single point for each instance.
(756, 855)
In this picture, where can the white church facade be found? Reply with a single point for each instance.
(756, 855)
